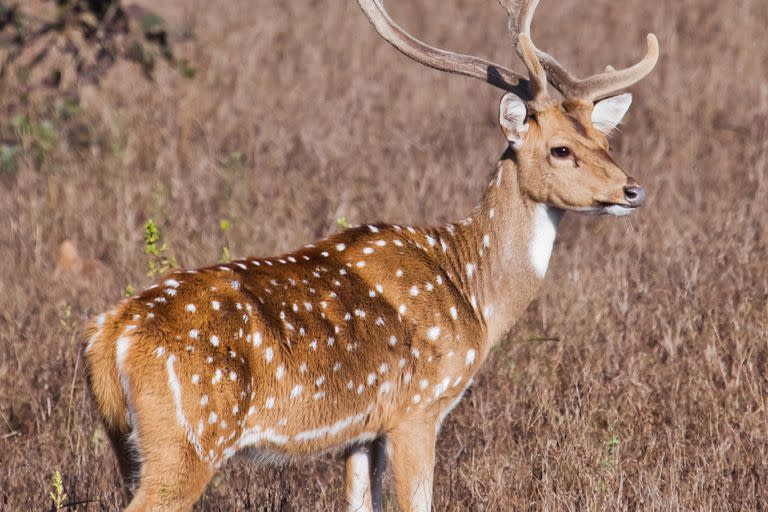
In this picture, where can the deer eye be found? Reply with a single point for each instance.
(560, 152)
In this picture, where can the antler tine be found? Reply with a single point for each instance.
(538, 82)
(526, 49)
(520, 18)
(611, 81)
(442, 60)
(588, 89)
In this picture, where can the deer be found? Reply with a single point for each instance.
(363, 342)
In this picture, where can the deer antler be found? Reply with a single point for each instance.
(588, 89)
(541, 66)
(436, 58)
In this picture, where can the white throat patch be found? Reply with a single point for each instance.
(545, 221)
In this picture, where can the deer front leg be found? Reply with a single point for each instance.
(412, 457)
(364, 466)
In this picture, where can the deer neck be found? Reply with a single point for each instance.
(501, 252)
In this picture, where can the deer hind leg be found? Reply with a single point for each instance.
(412, 457)
(364, 467)
(173, 484)
(174, 466)
(173, 474)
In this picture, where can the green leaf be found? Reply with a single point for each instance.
(343, 223)
(19, 122)
(8, 157)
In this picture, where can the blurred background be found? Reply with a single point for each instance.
(139, 136)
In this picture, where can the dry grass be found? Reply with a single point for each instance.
(651, 399)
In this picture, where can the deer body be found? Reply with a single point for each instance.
(372, 334)
(330, 346)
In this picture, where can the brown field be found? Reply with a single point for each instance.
(635, 381)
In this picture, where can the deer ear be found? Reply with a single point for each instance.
(607, 113)
(512, 116)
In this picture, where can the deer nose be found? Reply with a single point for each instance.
(634, 195)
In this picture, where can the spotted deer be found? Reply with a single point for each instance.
(362, 342)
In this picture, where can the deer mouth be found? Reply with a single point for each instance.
(607, 208)
(616, 209)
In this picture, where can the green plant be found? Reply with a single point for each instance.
(233, 160)
(160, 261)
(186, 69)
(69, 108)
(226, 255)
(8, 155)
(129, 291)
(37, 137)
(58, 496)
(343, 223)
(612, 451)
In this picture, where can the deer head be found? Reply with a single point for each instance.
(560, 144)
